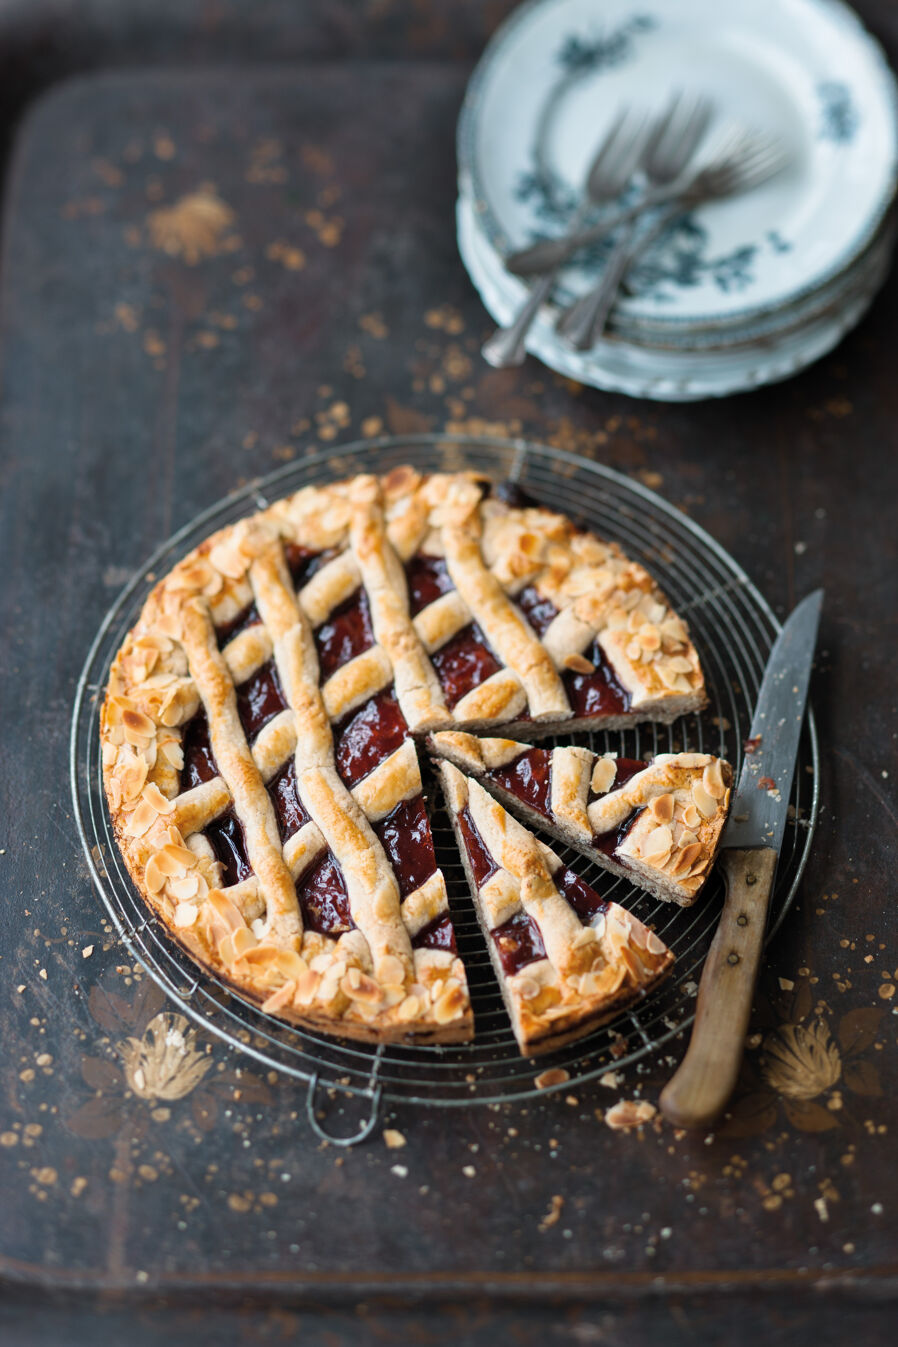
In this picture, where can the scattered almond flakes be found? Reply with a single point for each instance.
(193, 228)
(374, 325)
(630, 1113)
(87, 951)
(556, 1075)
(786, 984)
(611, 1079)
(553, 1215)
(393, 1138)
(43, 974)
(290, 257)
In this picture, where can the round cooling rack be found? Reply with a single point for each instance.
(733, 629)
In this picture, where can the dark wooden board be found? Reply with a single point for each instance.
(140, 386)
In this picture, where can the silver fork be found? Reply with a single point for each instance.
(610, 171)
(673, 140)
(737, 150)
(761, 160)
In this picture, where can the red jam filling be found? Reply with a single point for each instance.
(247, 617)
(609, 842)
(519, 942)
(582, 898)
(598, 693)
(463, 663)
(303, 562)
(228, 841)
(428, 577)
(405, 837)
(438, 934)
(287, 804)
(323, 899)
(538, 611)
(260, 699)
(345, 634)
(529, 779)
(366, 737)
(199, 760)
(480, 862)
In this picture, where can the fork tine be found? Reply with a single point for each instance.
(608, 146)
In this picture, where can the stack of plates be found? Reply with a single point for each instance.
(743, 291)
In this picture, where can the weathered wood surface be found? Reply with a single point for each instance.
(147, 367)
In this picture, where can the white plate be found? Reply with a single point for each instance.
(678, 375)
(555, 74)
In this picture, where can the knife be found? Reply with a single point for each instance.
(699, 1090)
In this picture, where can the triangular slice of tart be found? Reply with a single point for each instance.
(656, 823)
(567, 960)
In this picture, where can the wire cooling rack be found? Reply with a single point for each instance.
(733, 629)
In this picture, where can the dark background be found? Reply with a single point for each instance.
(137, 388)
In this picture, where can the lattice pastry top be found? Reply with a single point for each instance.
(257, 757)
(566, 959)
(657, 823)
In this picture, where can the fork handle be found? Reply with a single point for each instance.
(507, 345)
(701, 1087)
(583, 323)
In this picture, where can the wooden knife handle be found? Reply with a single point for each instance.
(698, 1092)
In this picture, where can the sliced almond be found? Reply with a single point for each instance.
(658, 843)
(712, 780)
(662, 808)
(185, 914)
(603, 775)
(691, 817)
(578, 664)
(706, 803)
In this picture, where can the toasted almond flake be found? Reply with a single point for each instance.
(662, 808)
(185, 914)
(630, 1113)
(578, 664)
(280, 998)
(152, 795)
(706, 803)
(185, 888)
(686, 839)
(691, 817)
(556, 1075)
(449, 1006)
(87, 951)
(603, 775)
(153, 876)
(658, 843)
(393, 1138)
(654, 944)
(712, 780)
(390, 969)
(141, 820)
(408, 1009)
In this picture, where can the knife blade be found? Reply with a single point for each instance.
(704, 1081)
(760, 806)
